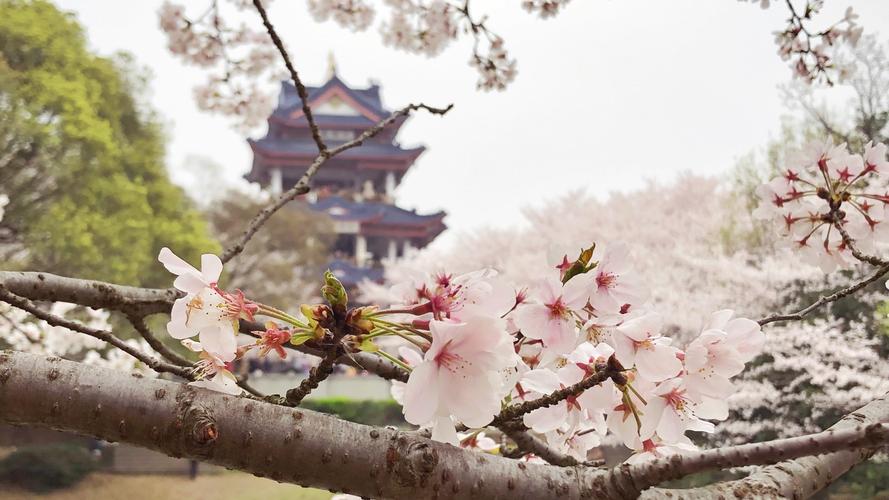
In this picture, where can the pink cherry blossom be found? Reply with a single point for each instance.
(654, 448)
(459, 375)
(478, 441)
(616, 286)
(548, 315)
(670, 412)
(825, 188)
(638, 342)
(875, 158)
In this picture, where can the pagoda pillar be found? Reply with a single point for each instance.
(276, 183)
(360, 250)
(407, 247)
(393, 250)
(390, 184)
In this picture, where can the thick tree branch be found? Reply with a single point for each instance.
(802, 477)
(142, 301)
(103, 335)
(96, 294)
(284, 444)
(312, 449)
(862, 438)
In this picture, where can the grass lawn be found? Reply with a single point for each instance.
(223, 486)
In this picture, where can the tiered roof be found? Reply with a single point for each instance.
(355, 187)
(377, 218)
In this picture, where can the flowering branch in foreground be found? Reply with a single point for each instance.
(307, 448)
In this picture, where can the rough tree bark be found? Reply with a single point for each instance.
(802, 477)
(312, 449)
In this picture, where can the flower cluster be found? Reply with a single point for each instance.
(213, 315)
(544, 8)
(490, 347)
(239, 54)
(354, 14)
(811, 53)
(705, 258)
(826, 191)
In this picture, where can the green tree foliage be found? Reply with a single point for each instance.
(81, 159)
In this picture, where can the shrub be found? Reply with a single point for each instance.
(367, 411)
(43, 468)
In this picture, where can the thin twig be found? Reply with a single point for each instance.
(826, 299)
(603, 373)
(850, 242)
(243, 384)
(530, 444)
(316, 375)
(300, 88)
(104, 335)
(139, 324)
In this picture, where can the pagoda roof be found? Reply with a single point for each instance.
(374, 212)
(307, 149)
(351, 275)
(366, 102)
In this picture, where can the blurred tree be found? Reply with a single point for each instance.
(81, 160)
(282, 263)
(868, 83)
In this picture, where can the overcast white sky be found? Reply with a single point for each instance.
(609, 93)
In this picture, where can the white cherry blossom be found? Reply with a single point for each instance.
(638, 343)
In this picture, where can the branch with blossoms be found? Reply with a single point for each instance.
(540, 356)
(304, 447)
(812, 52)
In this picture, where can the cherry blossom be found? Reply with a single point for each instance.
(548, 314)
(824, 189)
(616, 287)
(670, 411)
(478, 441)
(458, 375)
(638, 342)
(213, 369)
(273, 339)
(654, 448)
(204, 310)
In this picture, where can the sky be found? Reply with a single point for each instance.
(610, 94)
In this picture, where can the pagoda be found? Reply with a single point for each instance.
(356, 188)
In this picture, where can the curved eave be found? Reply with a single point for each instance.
(355, 153)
